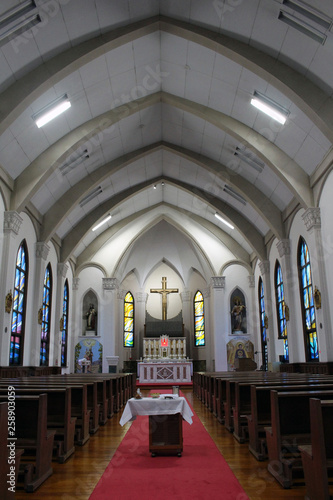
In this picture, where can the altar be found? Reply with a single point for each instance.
(165, 372)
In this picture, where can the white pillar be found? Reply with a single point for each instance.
(218, 326)
(111, 321)
(187, 308)
(139, 321)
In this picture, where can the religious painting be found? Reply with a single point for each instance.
(88, 356)
(238, 349)
(238, 312)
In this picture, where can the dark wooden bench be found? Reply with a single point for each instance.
(260, 412)
(290, 428)
(79, 402)
(9, 458)
(59, 415)
(34, 438)
(317, 458)
(243, 400)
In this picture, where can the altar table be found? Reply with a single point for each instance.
(165, 371)
(165, 421)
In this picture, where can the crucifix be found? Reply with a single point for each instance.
(164, 292)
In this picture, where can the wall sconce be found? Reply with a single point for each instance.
(9, 302)
(317, 298)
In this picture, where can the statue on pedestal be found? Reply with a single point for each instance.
(91, 316)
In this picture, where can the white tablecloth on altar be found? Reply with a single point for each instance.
(158, 406)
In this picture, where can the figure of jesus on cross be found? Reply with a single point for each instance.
(164, 292)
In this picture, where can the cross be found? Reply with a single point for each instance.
(164, 292)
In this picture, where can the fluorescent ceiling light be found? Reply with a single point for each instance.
(18, 28)
(234, 194)
(302, 27)
(18, 20)
(51, 111)
(305, 10)
(224, 221)
(104, 221)
(250, 159)
(70, 165)
(90, 196)
(269, 107)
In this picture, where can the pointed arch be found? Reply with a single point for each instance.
(64, 330)
(46, 317)
(282, 313)
(307, 302)
(19, 306)
(129, 320)
(199, 320)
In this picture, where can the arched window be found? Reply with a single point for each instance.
(46, 317)
(263, 320)
(308, 308)
(19, 306)
(199, 319)
(129, 320)
(64, 331)
(281, 310)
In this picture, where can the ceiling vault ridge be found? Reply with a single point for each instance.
(261, 203)
(313, 101)
(148, 227)
(101, 239)
(249, 232)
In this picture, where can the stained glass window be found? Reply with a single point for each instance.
(199, 319)
(64, 332)
(46, 317)
(281, 310)
(19, 303)
(308, 308)
(263, 331)
(129, 320)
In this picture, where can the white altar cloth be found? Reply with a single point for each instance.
(158, 406)
(165, 371)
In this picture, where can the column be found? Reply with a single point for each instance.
(266, 278)
(75, 321)
(111, 322)
(289, 282)
(11, 227)
(218, 327)
(140, 318)
(188, 321)
(312, 221)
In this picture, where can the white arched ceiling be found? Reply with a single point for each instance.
(160, 95)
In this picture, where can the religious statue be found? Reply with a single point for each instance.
(237, 314)
(91, 317)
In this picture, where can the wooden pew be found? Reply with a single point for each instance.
(79, 402)
(9, 458)
(243, 400)
(317, 458)
(59, 416)
(290, 428)
(34, 438)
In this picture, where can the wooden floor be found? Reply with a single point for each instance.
(80, 474)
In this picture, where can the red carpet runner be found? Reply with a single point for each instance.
(201, 473)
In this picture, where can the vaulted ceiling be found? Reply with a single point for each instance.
(160, 95)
